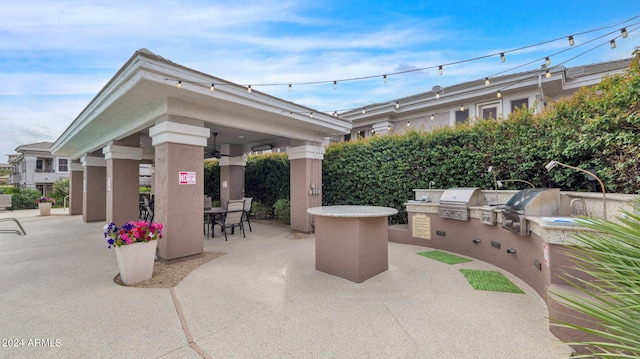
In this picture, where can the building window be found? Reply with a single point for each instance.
(489, 110)
(515, 104)
(62, 165)
(347, 138)
(462, 116)
(39, 166)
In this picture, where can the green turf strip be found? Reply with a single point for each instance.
(444, 257)
(490, 280)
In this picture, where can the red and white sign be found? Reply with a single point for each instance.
(187, 177)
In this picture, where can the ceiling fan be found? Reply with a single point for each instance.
(214, 153)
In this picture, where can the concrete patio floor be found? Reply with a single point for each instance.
(264, 299)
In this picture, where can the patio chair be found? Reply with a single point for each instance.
(232, 218)
(148, 210)
(247, 211)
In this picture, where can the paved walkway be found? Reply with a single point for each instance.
(264, 299)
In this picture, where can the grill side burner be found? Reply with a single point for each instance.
(529, 202)
(454, 202)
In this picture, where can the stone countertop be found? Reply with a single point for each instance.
(352, 211)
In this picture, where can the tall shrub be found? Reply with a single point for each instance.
(267, 178)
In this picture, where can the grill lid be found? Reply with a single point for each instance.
(535, 201)
(465, 196)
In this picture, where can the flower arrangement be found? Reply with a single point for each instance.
(46, 200)
(132, 232)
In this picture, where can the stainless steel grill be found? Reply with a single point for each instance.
(454, 202)
(529, 202)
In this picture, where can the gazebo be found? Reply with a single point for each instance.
(154, 110)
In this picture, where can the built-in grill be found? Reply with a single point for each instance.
(454, 202)
(529, 202)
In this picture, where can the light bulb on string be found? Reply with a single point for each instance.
(384, 78)
(461, 107)
(179, 84)
(311, 115)
(624, 32)
(363, 111)
(397, 105)
(440, 69)
(502, 57)
(499, 94)
(289, 87)
(486, 81)
(408, 123)
(437, 95)
(547, 74)
(571, 41)
(433, 117)
(335, 113)
(249, 89)
(613, 44)
(212, 88)
(335, 84)
(547, 61)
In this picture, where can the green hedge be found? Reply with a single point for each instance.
(598, 128)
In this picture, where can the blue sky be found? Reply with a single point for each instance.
(56, 55)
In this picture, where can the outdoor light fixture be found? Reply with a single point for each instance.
(501, 182)
(624, 32)
(547, 74)
(335, 84)
(547, 60)
(461, 107)
(502, 58)
(289, 87)
(552, 164)
(408, 123)
(249, 89)
(384, 78)
(397, 105)
(363, 111)
(437, 95)
(613, 44)
(486, 81)
(433, 117)
(263, 147)
(571, 41)
(499, 94)
(179, 84)
(335, 113)
(440, 69)
(212, 88)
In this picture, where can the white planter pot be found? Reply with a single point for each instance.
(45, 208)
(135, 261)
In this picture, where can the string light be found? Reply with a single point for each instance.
(547, 74)
(499, 94)
(437, 95)
(461, 107)
(571, 41)
(335, 113)
(179, 84)
(547, 60)
(384, 78)
(408, 123)
(486, 81)
(335, 84)
(311, 115)
(249, 89)
(624, 32)
(212, 88)
(289, 87)
(433, 117)
(440, 69)
(502, 57)
(613, 44)
(397, 105)
(363, 111)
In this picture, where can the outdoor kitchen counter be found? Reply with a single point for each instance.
(550, 232)
(352, 241)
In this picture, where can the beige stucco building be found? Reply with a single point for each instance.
(34, 166)
(159, 112)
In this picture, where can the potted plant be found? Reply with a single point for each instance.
(135, 244)
(44, 205)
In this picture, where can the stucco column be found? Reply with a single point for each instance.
(383, 128)
(76, 175)
(30, 170)
(231, 178)
(94, 188)
(179, 187)
(123, 167)
(306, 184)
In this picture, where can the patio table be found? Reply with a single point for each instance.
(352, 241)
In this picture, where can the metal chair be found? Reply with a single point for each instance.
(247, 211)
(232, 218)
(5, 202)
